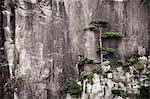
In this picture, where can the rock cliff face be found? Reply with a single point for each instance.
(43, 38)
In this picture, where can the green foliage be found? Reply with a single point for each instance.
(97, 70)
(72, 87)
(107, 51)
(84, 61)
(94, 25)
(130, 60)
(126, 67)
(89, 77)
(91, 28)
(111, 35)
(82, 77)
(99, 23)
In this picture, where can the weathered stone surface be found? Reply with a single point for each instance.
(141, 51)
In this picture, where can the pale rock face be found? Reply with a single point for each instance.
(135, 86)
(122, 86)
(108, 91)
(97, 88)
(129, 88)
(123, 78)
(68, 96)
(79, 83)
(146, 84)
(131, 69)
(15, 95)
(105, 63)
(121, 73)
(143, 60)
(128, 76)
(119, 0)
(116, 85)
(89, 88)
(141, 50)
(148, 66)
(10, 56)
(115, 75)
(110, 83)
(144, 81)
(105, 66)
(108, 94)
(84, 96)
(149, 60)
(109, 75)
(31, 1)
(118, 97)
(84, 90)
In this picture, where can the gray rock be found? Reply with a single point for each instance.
(143, 60)
(149, 60)
(141, 50)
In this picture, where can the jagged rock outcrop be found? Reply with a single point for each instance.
(114, 83)
(43, 38)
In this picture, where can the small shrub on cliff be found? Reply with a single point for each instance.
(82, 77)
(91, 28)
(97, 70)
(99, 23)
(111, 35)
(94, 25)
(89, 77)
(72, 87)
(107, 51)
(130, 60)
(84, 61)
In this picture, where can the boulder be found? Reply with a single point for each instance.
(109, 75)
(105, 63)
(149, 60)
(68, 96)
(143, 60)
(141, 51)
(120, 71)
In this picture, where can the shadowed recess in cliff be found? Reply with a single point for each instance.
(4, 69)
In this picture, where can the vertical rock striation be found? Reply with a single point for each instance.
(49, 37)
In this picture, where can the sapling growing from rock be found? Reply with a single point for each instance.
(98, 25)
